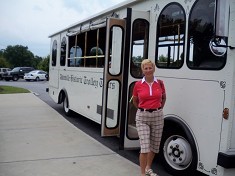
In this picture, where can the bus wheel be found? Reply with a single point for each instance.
(67, 111)
(178, 155)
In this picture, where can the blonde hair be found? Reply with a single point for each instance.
(147, 61)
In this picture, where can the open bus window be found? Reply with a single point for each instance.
(170, 37)
(201, 31)
(76, 51)
(87, 49)
(97, 59)
(54, 53)
(75, 56)
(63, 52)
(140, 34)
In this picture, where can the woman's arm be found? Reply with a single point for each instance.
(163, 100)
(135, 101)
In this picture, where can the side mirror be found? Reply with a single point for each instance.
(218, 46)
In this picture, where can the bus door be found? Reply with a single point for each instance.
(117, 78)
(138, 22)
(54, 64)
(113, 78)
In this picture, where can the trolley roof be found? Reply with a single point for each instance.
(95, 16)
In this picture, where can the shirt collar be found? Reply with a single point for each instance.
(143, 79)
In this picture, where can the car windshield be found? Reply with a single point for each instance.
(16, 69)
(33, 71)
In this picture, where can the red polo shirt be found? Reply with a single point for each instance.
(149, 96)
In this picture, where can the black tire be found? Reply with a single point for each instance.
(15, 78)
(37, 79)
(178, 153)
(47, 77)
(67, 111)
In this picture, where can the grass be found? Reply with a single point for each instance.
(12, 90)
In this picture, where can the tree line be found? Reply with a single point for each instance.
(20, 56)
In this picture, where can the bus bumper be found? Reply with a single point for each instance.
(226, 160)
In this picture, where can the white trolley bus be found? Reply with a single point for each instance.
(95, 63)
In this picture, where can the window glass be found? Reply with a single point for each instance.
(76, 50)
(170, 37)
(75, 56)
(63, 52)
(201, 31)
(115, 44)
(91, 43)
(54, 53)
(140, 34)
(95, 45)
(101, 44)
(87, 49)
(98, 57)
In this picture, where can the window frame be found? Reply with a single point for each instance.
(54, 53)
(182, 55)
(145, 48)
(211, 60)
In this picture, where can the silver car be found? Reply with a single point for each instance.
(36, 75)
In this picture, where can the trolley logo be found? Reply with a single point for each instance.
(86, 81)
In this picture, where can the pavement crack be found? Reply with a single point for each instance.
(55, 158)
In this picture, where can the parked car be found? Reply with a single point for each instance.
(36, 75)
(3, 70)
(16, 73)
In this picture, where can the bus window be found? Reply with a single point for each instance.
(54, 53)
(95, 45)
(63, 52)
(140, 34)
(201, 31)
(170, 37)
(87, 49)
(75, 54)
(116, 40)
(98, 59)
(113, 98)
(91, 41)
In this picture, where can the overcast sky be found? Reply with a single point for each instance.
(30, 22)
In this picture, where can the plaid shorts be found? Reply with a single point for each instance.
(149, 127)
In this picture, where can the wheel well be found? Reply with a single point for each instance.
(61, 97)
(179, 126)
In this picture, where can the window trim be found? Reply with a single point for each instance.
(184, 40)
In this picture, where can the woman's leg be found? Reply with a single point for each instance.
(143, 162)
(150, 157)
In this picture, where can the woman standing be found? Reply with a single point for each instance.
(149, 97)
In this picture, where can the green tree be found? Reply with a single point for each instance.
(4, 63)
(162, 58)
(35, 62)
(18, 55)
(44, 64)
(137, 60)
